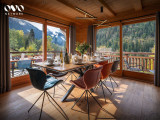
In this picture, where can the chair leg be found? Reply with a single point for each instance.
(35, 102)
(54, 89)
(64, 87)
(42, 106)
(103, 92)
(114, 80)
(77, 100)
(94, 99)
(111, 83)
(56, 107)
(66, 117)
(87, 104)
(106, 87)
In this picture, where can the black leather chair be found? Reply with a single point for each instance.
(43, 82)
(56, 75)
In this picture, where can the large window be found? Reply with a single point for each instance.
(56, 41)
(107, 42)
(139, 47)
(25, 44)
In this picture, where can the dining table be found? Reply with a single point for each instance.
(78, 68)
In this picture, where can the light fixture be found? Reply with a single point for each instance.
(101, 9)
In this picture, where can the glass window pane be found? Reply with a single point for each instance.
(107, 42)
(25, 44)
(139, 47)
(56, 41)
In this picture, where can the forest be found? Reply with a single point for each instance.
(20, 42)
(136, 38)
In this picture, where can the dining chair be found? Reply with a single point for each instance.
(133, 68)
(86, 82)
(105, 72)
(21, 66)
(43, 82)
(56, 75)
(114, 69)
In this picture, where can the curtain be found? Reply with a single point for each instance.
(157, 52)
(5, 83)
(91, 38)
(72, 39)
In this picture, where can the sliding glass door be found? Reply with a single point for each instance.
(25, 45)
(108, 42)
(139, 47)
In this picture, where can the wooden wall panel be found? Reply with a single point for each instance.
(137, 75)
(20, 80)
(81, 33)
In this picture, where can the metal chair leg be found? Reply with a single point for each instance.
(54, 89)
(87, 104)
(106, 87)
(35, 102)
(94, 99)
(77, 100)
(55, 107)
(64, 87)
(103, 92)
(42, 106)
(111, 83)
(66, 117)
(113, 80)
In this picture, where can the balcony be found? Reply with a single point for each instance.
(144, 59)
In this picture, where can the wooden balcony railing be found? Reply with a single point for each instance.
(33, 56)
(145, 59)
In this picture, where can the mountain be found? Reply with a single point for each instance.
(26, 26)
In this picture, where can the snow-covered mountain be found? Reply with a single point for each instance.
(19, 24)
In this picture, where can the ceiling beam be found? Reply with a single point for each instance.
(137, 5)
(76, 8)
(49, 13)
(110, 11)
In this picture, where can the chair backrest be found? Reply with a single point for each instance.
(114, 66)
(126, 62)
(103, 62)
(92, 77)
(105, 72)
(23, 64)
(37, 77)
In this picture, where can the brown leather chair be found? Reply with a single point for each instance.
(86, 82)
(105, 72)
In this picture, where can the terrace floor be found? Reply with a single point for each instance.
(132, 100)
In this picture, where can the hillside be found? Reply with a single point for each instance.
(136, 37)
(19, 24)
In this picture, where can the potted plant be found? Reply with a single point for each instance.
(82, 48)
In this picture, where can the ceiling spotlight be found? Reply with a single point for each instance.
(101, 9)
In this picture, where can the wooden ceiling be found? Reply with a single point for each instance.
(65, 10)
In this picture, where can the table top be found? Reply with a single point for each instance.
(67, 67)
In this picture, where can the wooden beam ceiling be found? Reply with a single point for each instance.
(76, 9)
(137, 5)
(50, 13)
(110, 11)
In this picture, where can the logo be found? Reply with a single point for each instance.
(14, 9)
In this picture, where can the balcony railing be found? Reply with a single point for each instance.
(145, 59)
(134, 58)
(33, 56)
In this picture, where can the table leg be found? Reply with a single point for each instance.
(68, 93)
(80, 72)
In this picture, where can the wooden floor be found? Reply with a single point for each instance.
(132, 100)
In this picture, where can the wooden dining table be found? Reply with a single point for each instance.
(70, 68)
